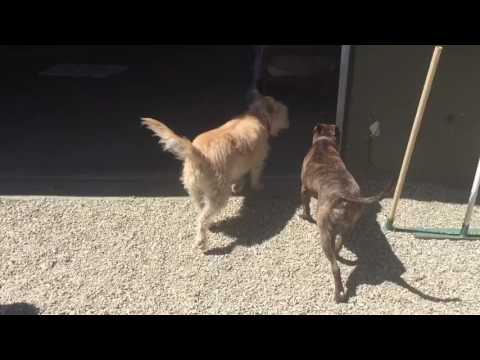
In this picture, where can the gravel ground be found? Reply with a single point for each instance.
(136, 256)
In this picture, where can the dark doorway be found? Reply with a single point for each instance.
(75, 127)
(306, 79)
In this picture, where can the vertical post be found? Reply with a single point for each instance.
(472, 201)
(414, 133)
(342, 91)
(258, 66)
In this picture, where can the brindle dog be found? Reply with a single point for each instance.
(326, 178)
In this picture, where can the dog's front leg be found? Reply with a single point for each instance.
(255, 177)
(238, 186)
(197, 197)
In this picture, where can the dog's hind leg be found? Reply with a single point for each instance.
(327, 237)
(213, 205)
(306, 197)
(197, 197)
(328, 248)
(344, 236)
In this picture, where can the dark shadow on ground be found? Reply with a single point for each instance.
(19, 309)
(262, 216)
(376, 260)
(141, 186)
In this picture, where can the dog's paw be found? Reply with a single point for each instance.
(201, 244)
(340, 297)
(203, 248)
(237, 189)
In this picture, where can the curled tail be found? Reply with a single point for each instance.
(179, 146)
(371, 199)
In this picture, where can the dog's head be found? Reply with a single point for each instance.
(325, 130)
(270, 112)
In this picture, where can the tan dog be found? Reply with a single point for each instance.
(339, 203)
(216, 161)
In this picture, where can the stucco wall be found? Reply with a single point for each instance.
(385, 85)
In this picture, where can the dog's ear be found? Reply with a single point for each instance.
(330, 130)
(260, 108)
(263, 108)
(318, 131)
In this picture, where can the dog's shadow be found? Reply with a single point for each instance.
(376, 262)
(262, 216)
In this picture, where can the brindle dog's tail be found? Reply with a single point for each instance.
(371, 199)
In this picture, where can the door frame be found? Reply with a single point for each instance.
(343, 93)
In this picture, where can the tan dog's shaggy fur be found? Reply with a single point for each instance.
(216, 161)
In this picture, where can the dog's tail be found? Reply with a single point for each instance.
(179, 146)
(371, 199)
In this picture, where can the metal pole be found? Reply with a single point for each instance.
(472, 201)
(414, 133)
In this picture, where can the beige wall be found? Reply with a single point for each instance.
(385, 85)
